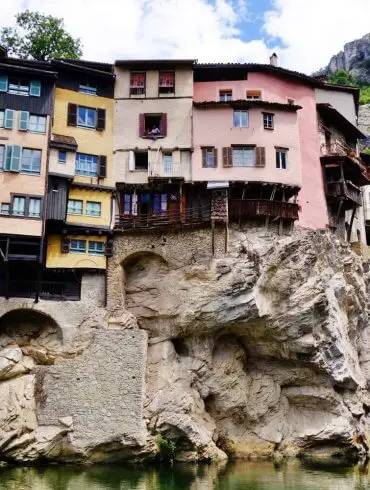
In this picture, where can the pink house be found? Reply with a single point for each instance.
(255, 131)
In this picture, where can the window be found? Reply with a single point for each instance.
(281, 159)
(74, 207)
(141, 161)
(127, 204)
(159, 203)
(88, 89)
(34, 207)
(62, 156)
(37, 124)
(244, 156)
(167, 164)
(5, 208)
(2, 156)
(268, 121)
(18, 206)
(78, 246)
(241, 119)
(253, 95)
(2, 113)
(137, 83)
(166, 82)
(96, 248)
(226, 95)
(209, 157)
(93, 208)
(86, 165)
(18, 87)
(153, 125)
(31, 161)
(86, 117)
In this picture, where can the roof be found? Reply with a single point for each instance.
(97, 65)
(42, 68)
(329, 113)
(155, 64)
(64, 142)
(245, 104)
(82, 67)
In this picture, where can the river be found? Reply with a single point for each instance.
(233, 476)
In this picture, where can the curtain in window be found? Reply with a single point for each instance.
(18, 206)
(166, 79)
(137, 79)
(34, 209)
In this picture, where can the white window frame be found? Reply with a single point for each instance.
(86, 165)
(19, 211)
(83, 122)
(268, 121)
(39, 123)
(279, 160)
(240, 121)
(226, 96)
(34, 166)
(254, 96)
(33, 214)
(93, 208)
(247, 162)
(92, 249)
(62, 162)
(72, 207)
(2, 118)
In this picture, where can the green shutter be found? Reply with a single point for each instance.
(15, 163)
(23, 120)
(8, 157)
(35, 88)
(9, 119)
(3, 83)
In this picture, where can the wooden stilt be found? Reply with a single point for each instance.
(213, 237)
(226, 235)
(351, 224)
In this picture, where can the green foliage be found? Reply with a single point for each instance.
(366, 150)
(167, 447)
(39, 37)
(342, 77)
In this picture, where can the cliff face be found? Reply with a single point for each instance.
(354, 58)
(261, 351)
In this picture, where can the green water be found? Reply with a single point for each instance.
(234, 476)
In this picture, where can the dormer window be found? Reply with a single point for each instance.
(166, 82)
(253, 95)
(87, 89)
(226, 95)
(137, 83)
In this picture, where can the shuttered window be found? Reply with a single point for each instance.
(9, 119)
(2, 119)
(31, 161)
(72, 115)
(243, 157)
(23, 120)
(227, 157)
(260, 156)
(102, 166)
(100, 119)
(18, 87)
(209, 157)
(86, 117)
(2, 156)
(37, 124)
(3, 83)
(35, 88)
(86, 165)
(96, 248)
(12, 161)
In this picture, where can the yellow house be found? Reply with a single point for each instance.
(81, 180)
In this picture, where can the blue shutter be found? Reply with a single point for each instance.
(9, 119)
(15, 162)
(8, 157)
(35, 88)
(3, 83)
(23, 120)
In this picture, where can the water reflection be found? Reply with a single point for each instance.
(234, 476)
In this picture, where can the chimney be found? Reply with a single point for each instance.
(274, 59)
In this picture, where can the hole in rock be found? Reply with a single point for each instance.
(180, 347)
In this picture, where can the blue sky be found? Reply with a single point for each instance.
(305, 33)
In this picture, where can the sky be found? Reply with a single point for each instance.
(304, 33)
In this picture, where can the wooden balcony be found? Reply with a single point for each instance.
(254, 208)
(344, 190)
(48, 290)
(170, 220)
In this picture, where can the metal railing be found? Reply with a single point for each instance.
(253, 208)
(171, 219)
(52, 290)
(162, 169)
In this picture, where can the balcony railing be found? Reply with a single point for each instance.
(344, 190)
(165, 170)
(253, 208)
(50, 290)
(176, 219)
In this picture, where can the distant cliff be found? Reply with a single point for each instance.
(355, 58)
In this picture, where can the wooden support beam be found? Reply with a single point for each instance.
(351, 224)
(338, 212)
(213, 237)
(226, 235)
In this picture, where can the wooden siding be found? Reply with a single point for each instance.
(57, 199)
(42, 105)
(71, 80)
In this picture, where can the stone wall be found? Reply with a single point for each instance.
(177, 249)
(102, 390)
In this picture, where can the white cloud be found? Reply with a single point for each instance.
(311, 30)
(314, 30)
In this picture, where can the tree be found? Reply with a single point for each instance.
(342, 77)
(39, 37)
